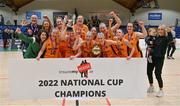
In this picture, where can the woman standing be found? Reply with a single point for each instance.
(158, 55)
(133, 38)
(123, 44)
(5, 37)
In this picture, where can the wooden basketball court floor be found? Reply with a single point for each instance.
(171, 76)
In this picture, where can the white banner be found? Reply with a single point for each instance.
(59, 78)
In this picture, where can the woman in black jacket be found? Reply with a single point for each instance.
(160, 45)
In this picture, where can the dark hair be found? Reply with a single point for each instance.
(38, 38)
(69, 29)
(135, 24)
(50, 27)
(132, 24)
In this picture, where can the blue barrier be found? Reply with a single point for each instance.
(177, 30)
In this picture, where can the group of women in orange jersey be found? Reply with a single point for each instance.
(68, 40)
(74, 40)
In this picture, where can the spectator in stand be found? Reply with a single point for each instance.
(6, 37)
(15, 18)
(1, 20)
(97, 21)
(172, 45)
(24, 22)
(94, 22)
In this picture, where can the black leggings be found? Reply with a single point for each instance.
(158, 65)
(173, 46)
(5, 41)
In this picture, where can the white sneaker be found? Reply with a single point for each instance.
(150, 89)
(160, 93)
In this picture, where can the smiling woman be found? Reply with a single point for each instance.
(35, 44)
(158, 55)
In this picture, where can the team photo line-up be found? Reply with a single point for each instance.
(71, 38)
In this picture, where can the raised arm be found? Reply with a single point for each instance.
(144, 31)
(110, 23)
(77, 44)
(118, 21)
(47, 18)
(169, 35)
(63, 29)
(111, 42)
(24, 37)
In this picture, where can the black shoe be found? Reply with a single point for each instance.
(168, 57)
(172, 58)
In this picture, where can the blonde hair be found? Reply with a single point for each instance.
(120, 30)
(88, 33)
(102, 25)
(54, 30)
(151, 30)
(164, 28)
(100, 35)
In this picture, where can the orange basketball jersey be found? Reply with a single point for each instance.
(52, 49)
(135, 43)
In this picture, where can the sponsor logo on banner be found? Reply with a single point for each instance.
(83, 68)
